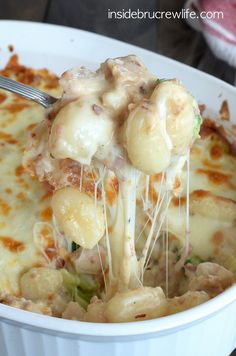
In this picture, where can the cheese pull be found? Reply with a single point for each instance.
(77, 217)
(161, 127)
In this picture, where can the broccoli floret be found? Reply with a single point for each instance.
(196, 129)
(159, 81)
(74, 246)
(194, 260)
(81, 287)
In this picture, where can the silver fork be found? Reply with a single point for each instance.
(27, 92)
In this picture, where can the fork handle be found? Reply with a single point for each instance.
(27, 92)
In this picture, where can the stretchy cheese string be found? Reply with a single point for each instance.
(106, 230)
(81, 177)
(185, 251)
(163, 217)
(147, 180)
(167, 249)
(128, 270)
(154, 220)
(102, 268)
(187, 233)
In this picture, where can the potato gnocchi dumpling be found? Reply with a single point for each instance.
(146, 146)
(40, 283)
(160, 127)
(140, 304)
(80, 130)
(77, 217)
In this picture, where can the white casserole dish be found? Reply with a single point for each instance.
(208, 329)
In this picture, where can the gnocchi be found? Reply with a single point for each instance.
(40, 283)
(138, 304)
(77, 217)
(211, 278)
(186, 301)
(161, 126)
(146, 147)
(81, 129)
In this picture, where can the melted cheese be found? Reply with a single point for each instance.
(212, 203)
(23, 200)
(137, 209)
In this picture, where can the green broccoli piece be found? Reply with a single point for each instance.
(74, 246)
(159, 81)
(194, 260)
(81, 287)
(197, 126)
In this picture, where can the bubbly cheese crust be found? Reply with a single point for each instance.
(129, 225)
(24, 202)
(212, 200)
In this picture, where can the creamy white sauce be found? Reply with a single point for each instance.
(92, 129)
